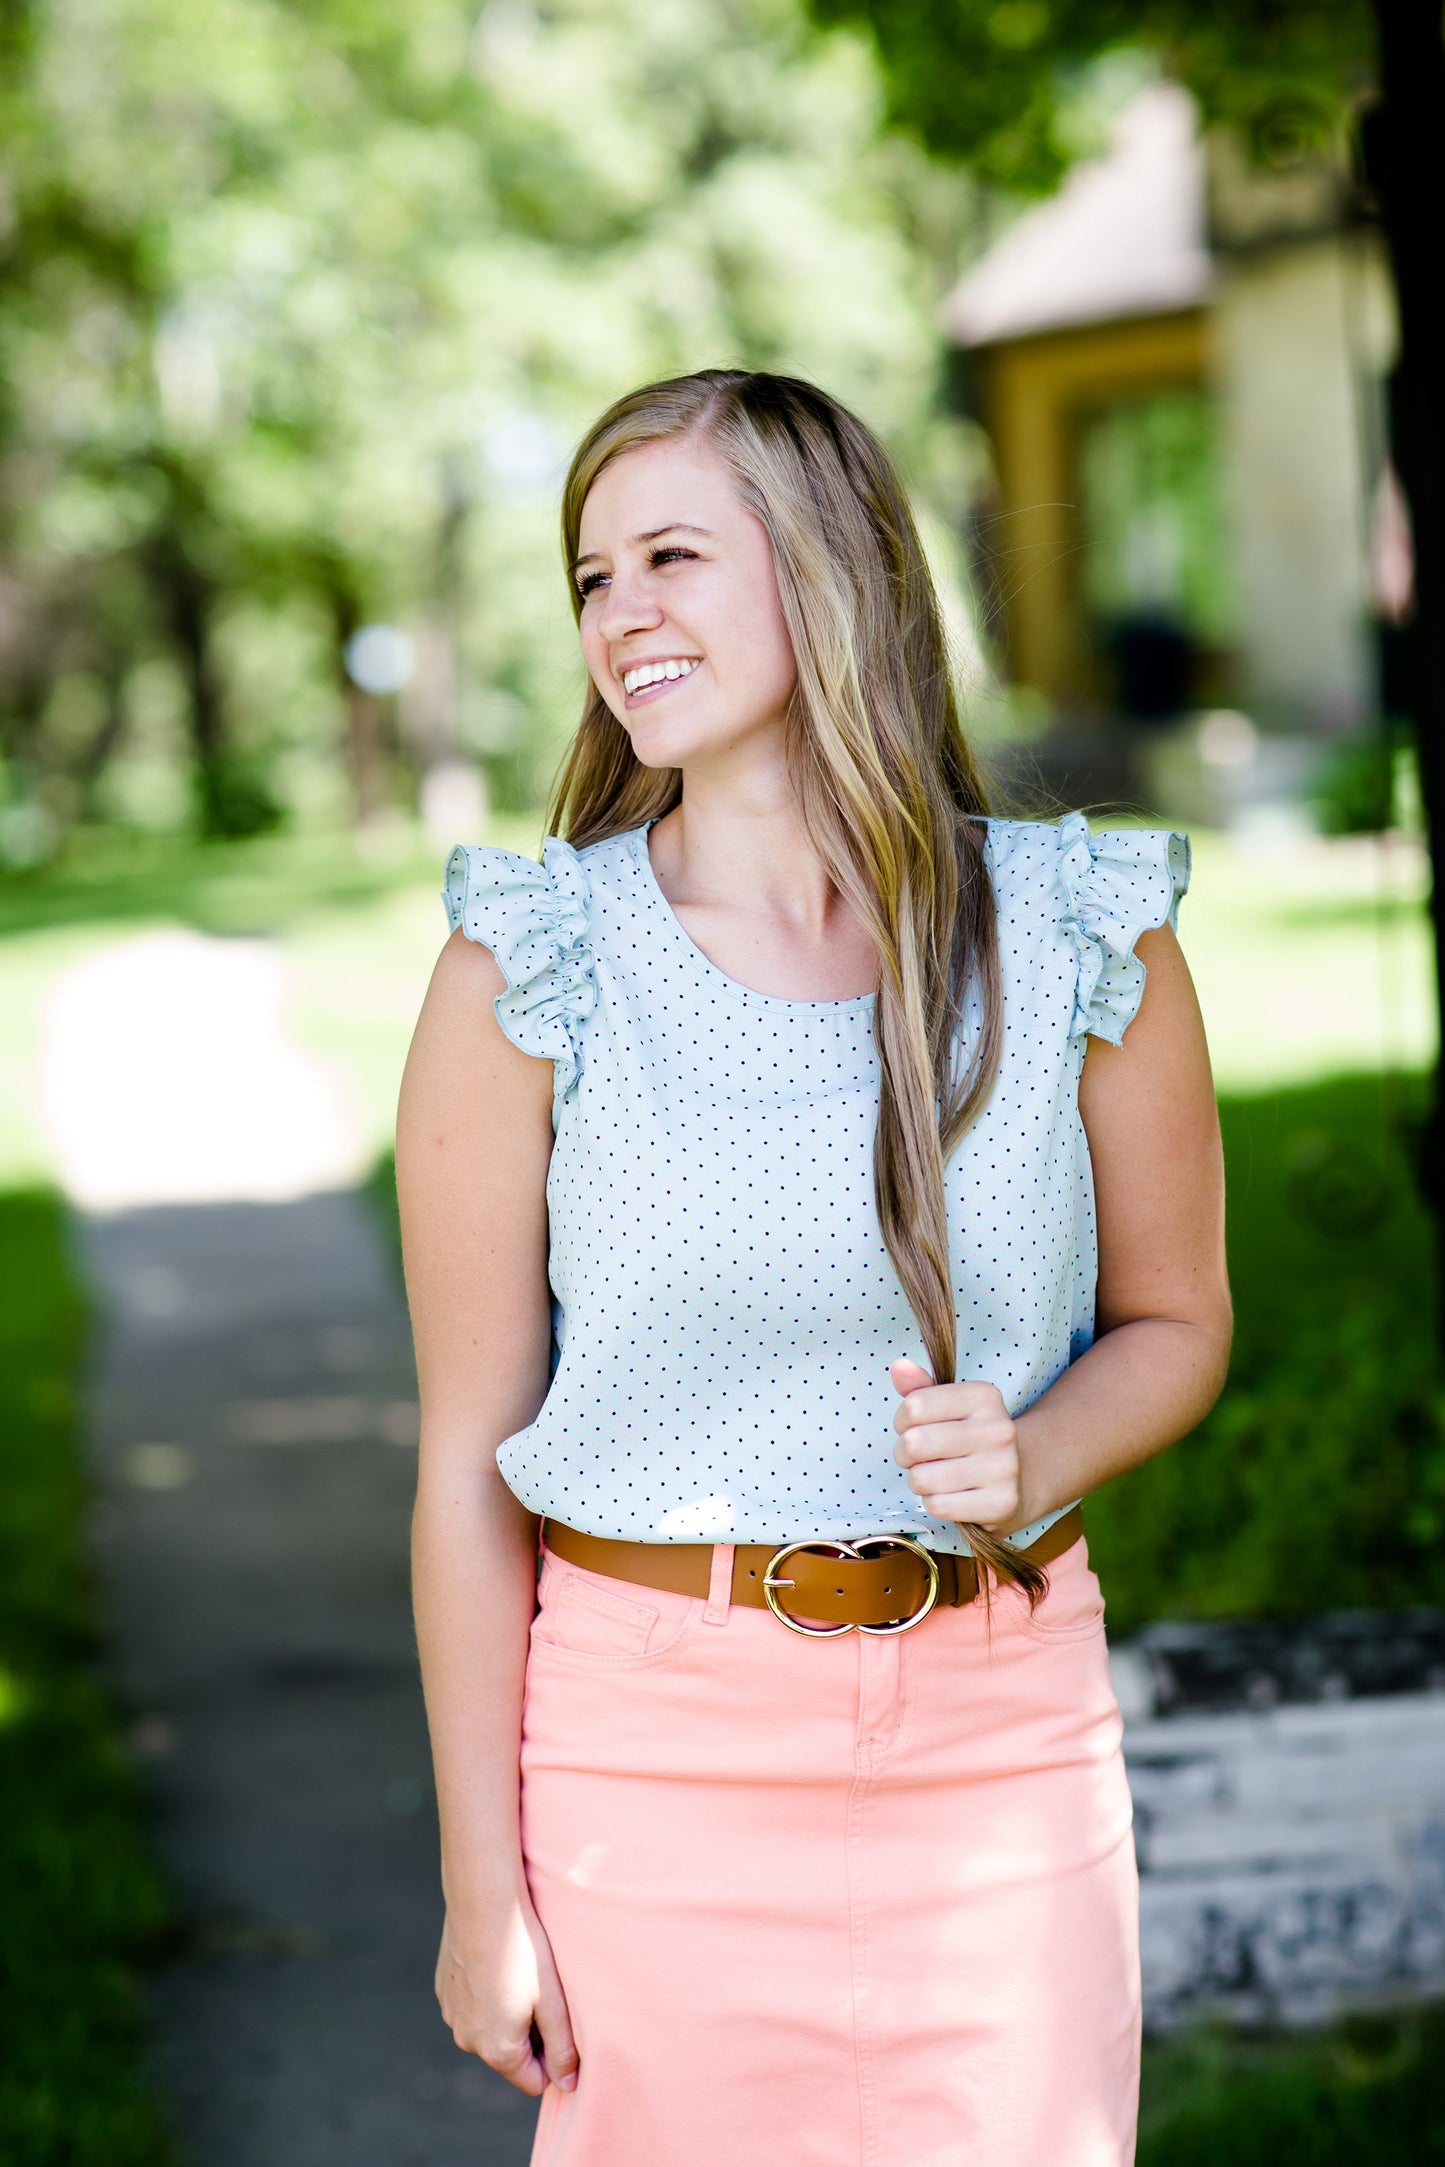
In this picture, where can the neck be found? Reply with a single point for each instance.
(725, 843)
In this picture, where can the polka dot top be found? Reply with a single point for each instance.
(724, 1309)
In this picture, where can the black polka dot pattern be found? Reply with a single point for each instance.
(725, 1312)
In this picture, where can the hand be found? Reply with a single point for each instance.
(503, 2000)
(960, 1447)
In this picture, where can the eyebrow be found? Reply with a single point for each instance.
(653, 534)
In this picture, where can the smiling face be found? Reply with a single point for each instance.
(682, 628)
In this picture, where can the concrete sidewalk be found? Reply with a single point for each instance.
(253, 1441)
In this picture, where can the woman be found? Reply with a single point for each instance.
(786, 1091)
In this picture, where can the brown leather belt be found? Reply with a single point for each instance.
(879, 1584)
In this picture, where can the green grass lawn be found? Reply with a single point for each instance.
(81, 1906)
(1366, 2090)
(1312, 957)
(1318, 1483)
(261, 886)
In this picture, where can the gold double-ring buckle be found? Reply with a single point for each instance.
(773, 1580)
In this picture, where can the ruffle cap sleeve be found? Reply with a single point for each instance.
(1116, 885)
(534, 919)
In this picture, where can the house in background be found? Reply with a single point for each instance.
(1179, 361)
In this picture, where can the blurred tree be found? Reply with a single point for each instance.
(299, 311)
(994, 82)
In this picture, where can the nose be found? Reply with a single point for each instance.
(626, 606)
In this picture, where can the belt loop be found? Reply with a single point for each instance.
(720, 1585)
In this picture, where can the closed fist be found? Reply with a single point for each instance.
(959, 1447)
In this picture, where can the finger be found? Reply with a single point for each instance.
(947, 1403)
(979, 1471)
(968, 1440)
(991, 1505)
(991, 1480)
(554, 2025)
(976, 1508)
(908, 1376)
(514, 2059)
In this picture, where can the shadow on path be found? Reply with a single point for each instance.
(253, 1434)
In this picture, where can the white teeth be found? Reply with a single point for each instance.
(652, 673)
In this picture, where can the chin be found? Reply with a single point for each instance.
(663, 748)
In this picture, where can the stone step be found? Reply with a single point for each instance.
(1292, 1858)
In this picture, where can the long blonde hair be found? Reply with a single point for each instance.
(886, 785)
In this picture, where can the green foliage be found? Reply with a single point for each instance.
(1366, 2090)
(300, 310)
(381, 1194)
(1355, 792)
(237, 801)
(255, 884)
(79, 1898)
(1149, 473)
(994, 82)
(1318, 1483)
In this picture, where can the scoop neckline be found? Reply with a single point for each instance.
(682, 938)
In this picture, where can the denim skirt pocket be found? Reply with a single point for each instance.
(1073, 1606)
(587, 1620)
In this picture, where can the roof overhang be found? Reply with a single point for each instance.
(1126, 236)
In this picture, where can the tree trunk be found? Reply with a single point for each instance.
(99, 752)
(363, 755)
(186, 596)
(1404, 142)
(361, 743)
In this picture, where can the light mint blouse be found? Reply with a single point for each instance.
(724, 1309)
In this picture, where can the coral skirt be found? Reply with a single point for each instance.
(861, 1902)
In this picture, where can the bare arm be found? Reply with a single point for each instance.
(1163, 1316)
(474, 1138)
(1163, 1319)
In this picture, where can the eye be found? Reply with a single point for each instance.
(589, 583)
(672, 553)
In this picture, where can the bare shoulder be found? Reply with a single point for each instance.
(466, 973)
(1153, 1130)
(1168, 1030)
(1151, 1098)
(473, 1144)
(462, 1065)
